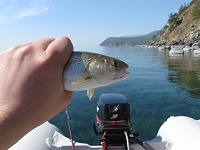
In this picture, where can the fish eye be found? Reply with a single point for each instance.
(116, 64)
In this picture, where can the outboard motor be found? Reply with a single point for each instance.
(113, 120)
(114, 124)
(113, 114)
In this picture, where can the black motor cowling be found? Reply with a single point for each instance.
(113, 114)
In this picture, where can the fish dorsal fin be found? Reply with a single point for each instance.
(90, 93)
(87, 79)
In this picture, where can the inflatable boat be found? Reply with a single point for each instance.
(113, 123)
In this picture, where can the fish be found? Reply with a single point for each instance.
(87, 71)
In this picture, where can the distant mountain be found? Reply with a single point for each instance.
(129, 40)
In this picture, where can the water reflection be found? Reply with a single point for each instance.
(160, 86)
(184, 70)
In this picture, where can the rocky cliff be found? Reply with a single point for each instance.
(184, 31)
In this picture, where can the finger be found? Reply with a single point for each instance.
(60, 48)
(67, 98)
(18, 47)
(43, 44)
(64, 101)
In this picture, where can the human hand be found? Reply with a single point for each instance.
(31, 86)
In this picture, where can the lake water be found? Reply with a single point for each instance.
(160, 86)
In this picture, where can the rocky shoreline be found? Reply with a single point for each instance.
(192, 37)
(178, 49)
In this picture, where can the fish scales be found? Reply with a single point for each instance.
(74, 69)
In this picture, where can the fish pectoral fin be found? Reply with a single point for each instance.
(90, 93)
(82, 81)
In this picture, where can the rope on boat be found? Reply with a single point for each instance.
(104, 141)
(144, 144)
(127, 140)
(70, 131)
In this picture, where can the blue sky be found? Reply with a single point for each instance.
(85, 22)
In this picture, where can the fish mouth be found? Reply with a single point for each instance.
(124, 68)
(123, 73)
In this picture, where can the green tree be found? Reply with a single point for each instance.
(196, 10)
(172, 18)
(182, 8)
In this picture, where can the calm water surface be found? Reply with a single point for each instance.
(160, 86)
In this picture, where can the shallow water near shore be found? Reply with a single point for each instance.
(159, 86)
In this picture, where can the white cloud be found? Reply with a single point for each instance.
(5, 19)
(2, 18)
(33, 11)
(12, 11)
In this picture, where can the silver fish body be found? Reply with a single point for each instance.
(85, 71)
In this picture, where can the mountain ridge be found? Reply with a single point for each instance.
(129, 40)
